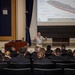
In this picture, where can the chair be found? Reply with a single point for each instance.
(38, 71)
(68, 71)
(3, 65)
(20, 65)
(65, 65)
(72, 61)
(44, 65)
(8, 71)
(59, 61)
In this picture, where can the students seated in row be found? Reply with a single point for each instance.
(73, 57)
(28, 54)
(41, 57)
(63, 50)
(13, 52)
(7, 57)
(48, 51)
(58, 55)
(69, 54)
(34, 54)
(21, 58)
(1, 56)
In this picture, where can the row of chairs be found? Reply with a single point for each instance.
(58, 71)
(37, 69)
(38, 65)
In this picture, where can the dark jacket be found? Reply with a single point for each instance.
(43, 60)
(34, 56)
(14, 54)
(20, 59)
(58, 58)
(48, 53)
(64, 52)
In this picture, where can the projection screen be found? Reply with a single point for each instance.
(55, 11)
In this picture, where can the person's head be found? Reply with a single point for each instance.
(74, 53)
(38, 34)
(54, 52)
(37, 48)
(69, 52)
(48, 47)
(8, 48)
(7, 53)
(63, 47)
(22, 50)
(13, 48)
(58, 52)
(41, 53)
(26, 47)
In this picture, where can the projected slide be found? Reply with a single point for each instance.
(55, 11)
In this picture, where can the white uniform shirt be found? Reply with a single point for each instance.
(39, 40)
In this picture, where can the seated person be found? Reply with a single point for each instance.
(41, 57)
(28, 55)
(21, 58)
(48, 51)
(73, 58)
(69, 54)
(7, 57)
(63, 50)
(1, 57)
(13, 52)
(58, 54)
(34, 54)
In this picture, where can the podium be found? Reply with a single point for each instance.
(17, 45)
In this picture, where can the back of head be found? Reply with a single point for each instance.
(26, 47)
(13, 48)
(58, 51)
(69, 52)
(22, 50)
(41, 53)
(7, 53)
(37, 48)
(63, 47)
(48, 47)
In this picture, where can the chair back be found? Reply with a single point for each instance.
(20, 65)
(47, 71)
(24, 71)
(44, 65)
(3, 65)
(68, 71)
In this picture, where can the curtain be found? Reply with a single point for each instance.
(29, 9)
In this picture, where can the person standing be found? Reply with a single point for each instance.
(39, 39)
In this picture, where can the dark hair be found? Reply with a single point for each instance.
(58, 50)
(63, 46)
(48, 47)
(22, 50)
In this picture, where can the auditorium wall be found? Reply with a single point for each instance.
(20, 21)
